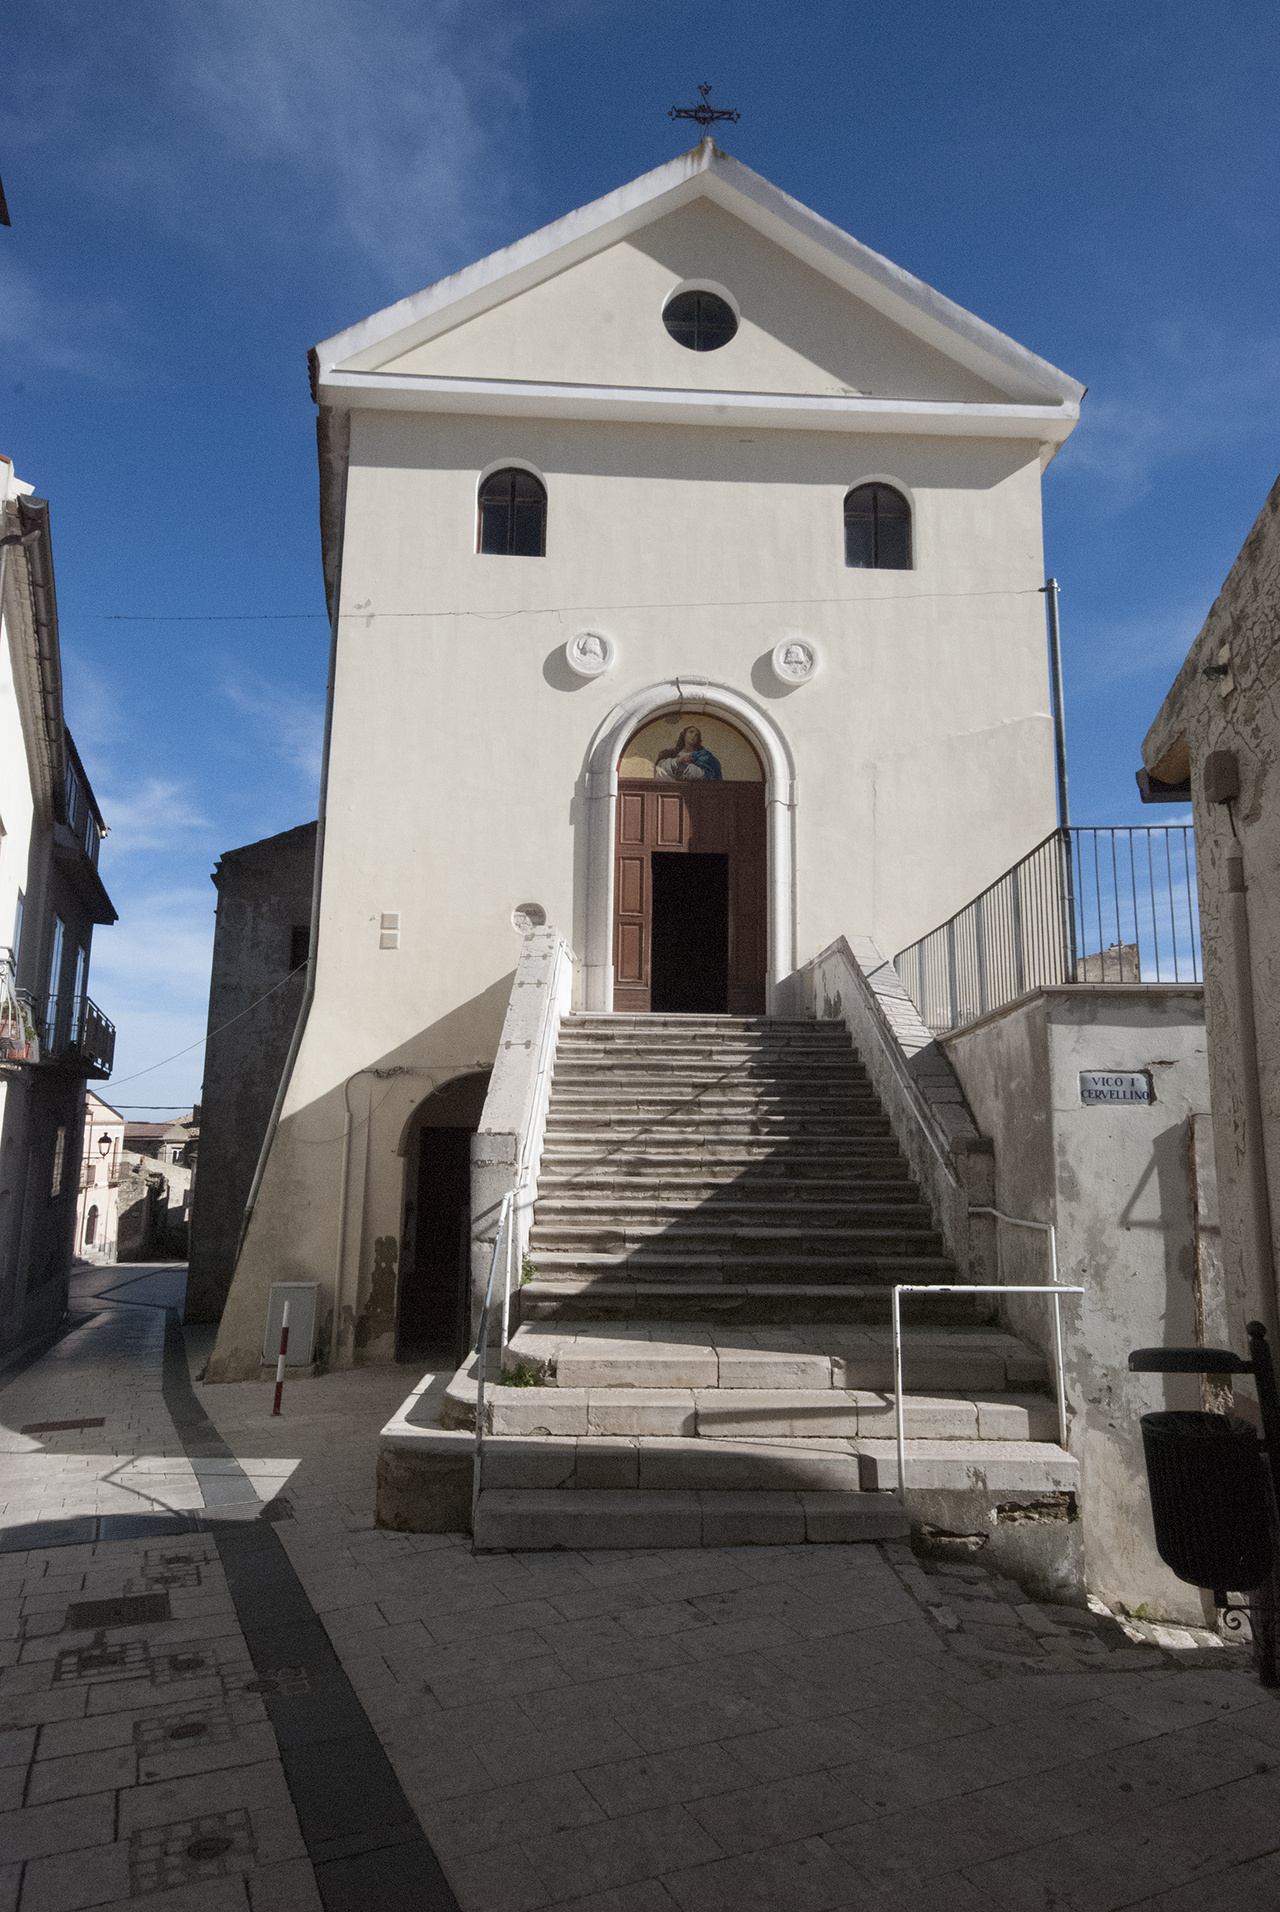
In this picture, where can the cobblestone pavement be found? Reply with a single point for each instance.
(804, 1728)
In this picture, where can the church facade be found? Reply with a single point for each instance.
(684, 562)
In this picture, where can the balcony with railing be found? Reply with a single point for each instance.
(75, 1033)
(1113, 904)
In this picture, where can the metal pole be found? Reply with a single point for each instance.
(899, 1408)
(1050, 591)
(284, 1349)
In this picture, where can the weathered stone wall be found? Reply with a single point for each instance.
(264, 893)
(1237, 712)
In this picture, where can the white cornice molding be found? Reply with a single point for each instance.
(703, 172)
(783, 411)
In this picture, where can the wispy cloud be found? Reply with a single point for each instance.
(157, 956)
(289, 723)
(150, 975)
(1127, 646)
(1187, 387)
(385, 110)
(150, 817)
(48, 330)
(358, 129)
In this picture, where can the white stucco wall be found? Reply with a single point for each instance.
(796, 333)
(1122, 1184)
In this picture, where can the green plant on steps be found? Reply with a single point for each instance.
(522, 1375)
(527, 1270)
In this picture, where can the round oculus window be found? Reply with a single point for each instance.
(701, 320)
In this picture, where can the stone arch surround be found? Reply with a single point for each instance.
(693, 695)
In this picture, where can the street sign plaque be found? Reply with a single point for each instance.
(1127, 1086)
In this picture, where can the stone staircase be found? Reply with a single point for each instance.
(704, 1354)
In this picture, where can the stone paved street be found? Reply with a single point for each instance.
(804, 1728)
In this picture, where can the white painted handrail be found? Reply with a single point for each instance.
(971, 1288)
(482, 1337)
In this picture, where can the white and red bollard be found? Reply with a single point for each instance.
(284, 1348)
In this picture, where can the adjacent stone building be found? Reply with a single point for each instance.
(1215, 744)
(255, 988)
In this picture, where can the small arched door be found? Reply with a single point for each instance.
(690, 931)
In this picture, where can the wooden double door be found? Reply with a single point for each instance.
(690, 931)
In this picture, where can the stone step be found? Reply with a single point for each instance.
(714, 1071)
(714, 1062)
(713, 1057)
(580, 1301)
(662, 1151)
(701, 1234)
(630, 1207)
(989, 1467)
(687, 1125)
(724, 1104)
(652, 1264)
(750, 1414)
(536, 1520)
(807, 1356)
(611, 1024)
(564, 1171)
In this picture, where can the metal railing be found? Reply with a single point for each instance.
(74, 1029)
(504, 1239)
(1107, 904)
(1054, 1287)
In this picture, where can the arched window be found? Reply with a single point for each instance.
(877, 529)
(513, 515)
(90, 1226)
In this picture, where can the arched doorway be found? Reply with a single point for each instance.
(433, 1301)
(690, 890)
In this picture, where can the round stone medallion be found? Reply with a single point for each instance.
(795, 660)
(590, 653)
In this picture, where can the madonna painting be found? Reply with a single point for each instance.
(687, 761)
(675, 751)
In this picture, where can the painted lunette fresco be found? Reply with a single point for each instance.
(673, 750)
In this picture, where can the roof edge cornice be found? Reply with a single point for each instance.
(793, 411)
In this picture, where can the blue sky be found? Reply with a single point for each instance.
(201, 191)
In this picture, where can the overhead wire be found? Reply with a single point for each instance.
(541, 610)
(207, 1037)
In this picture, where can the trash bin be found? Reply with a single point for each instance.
(1210, 1499)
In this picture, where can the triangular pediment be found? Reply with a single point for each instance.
(580, 304)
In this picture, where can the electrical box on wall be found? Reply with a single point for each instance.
(303, 1298)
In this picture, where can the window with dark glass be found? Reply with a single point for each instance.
(699, 320)
(513, 515)
(877, 529)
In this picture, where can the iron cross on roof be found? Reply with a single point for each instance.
(704, 112)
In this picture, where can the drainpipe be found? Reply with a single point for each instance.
(309, 988)
(1049, 590)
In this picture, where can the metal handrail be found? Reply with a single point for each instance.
(482, 1351)
(1055, 1288)
(1110, 903)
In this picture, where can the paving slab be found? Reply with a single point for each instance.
(727, 1725)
